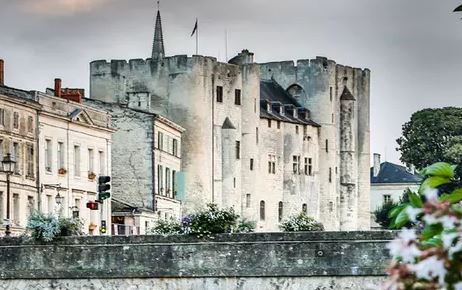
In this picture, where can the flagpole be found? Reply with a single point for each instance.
(226, 45)
(197, 37)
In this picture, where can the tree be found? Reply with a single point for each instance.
(432, 135)
(382, 213)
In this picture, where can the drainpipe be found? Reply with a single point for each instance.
(37, 156)
(154, 169)
(213, 138)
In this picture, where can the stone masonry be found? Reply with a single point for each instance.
(228, 145)
(321, 260)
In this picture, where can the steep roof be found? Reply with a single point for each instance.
(393, 173)
(227, 124)
(272, 92)
(347, 95)
(158, 51)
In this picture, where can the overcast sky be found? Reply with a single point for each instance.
(413, 47)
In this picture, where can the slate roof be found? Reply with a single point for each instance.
(17, 93)
(227, 124)
(347, 95)
(393, 173)
(272, 92)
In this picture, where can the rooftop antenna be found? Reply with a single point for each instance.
(158, 5)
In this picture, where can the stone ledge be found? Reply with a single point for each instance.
(356, 236)
(321, 254)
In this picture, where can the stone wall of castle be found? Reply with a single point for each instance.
(184, 89)
(322, 81)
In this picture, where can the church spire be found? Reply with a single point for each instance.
(158, 51)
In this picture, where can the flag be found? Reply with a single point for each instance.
(195, 29)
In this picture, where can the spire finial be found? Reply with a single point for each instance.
(158, 51)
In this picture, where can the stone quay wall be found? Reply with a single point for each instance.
(292, 261)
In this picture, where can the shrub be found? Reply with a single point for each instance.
(205, 222)
(70, 227)
(301, 223)
(429, 256)
(166, 227)
(213, 220)
(382, 213)
(245, 226)
(46, 227)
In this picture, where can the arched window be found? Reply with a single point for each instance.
(280, 211)
(262, 210)
(304, 208)
(296, 91)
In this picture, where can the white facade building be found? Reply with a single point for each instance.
(388, 183)
(18, 128)
(75, 149)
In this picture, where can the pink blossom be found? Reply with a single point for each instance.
(429, 269)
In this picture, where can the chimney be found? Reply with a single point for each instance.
(376, 164)
(2, 75)
(58, 88)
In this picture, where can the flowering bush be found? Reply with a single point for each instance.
(206, 222)
(48, 227)
(301, 223)
(166, 227)
(429, 256)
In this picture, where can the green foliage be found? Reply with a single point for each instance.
(206, 222)
(382, 212)
(440, 179)
(245, 226)
(431, 254)
(166, 227)
(70, 227)
(301, 223)
(213, 220)
(432, 135)
(48, 227)
(387, 211)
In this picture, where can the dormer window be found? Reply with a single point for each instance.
(281, 111)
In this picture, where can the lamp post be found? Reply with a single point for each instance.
(8, 168)
(59, 199)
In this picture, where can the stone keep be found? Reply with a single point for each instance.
(221, 137)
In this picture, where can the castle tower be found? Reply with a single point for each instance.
(348, 172)
(158, 51)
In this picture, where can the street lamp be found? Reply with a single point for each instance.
(8, 168)
(59, 199)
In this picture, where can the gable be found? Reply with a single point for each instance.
(81, 116)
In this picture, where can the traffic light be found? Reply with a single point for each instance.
(103, 229)
(92, 205)
(103, 187)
